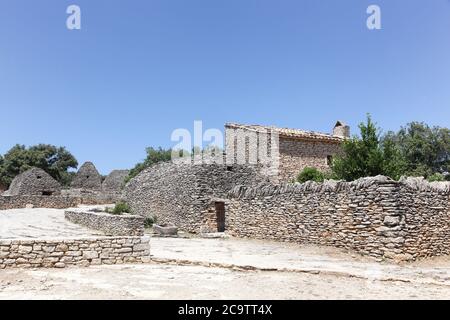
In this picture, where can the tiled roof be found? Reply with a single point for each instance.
(290, 133)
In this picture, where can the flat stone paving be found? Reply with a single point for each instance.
(160, 281)
(289, 257)
(216, 269)
(39, 223)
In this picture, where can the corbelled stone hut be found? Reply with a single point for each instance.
(87, 178)
(183, 193)
(34, 182)
(115, 181)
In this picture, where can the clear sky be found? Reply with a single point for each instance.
(139, 69)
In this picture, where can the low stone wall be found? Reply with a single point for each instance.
(60, 253)
(112, 225)
(53, 202)
(376, 217)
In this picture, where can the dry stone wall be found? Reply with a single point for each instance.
(53, 202)
(60, 253)
(111, 225)
(179, 193)
(376, 216)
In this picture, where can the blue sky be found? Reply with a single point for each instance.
(139, 69)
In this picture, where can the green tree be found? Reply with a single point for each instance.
(153, 156)
(54, 160)
(366, 156)
(426, 150)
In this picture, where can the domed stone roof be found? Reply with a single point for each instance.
(87, 177)
(34, 182)
(115, 181)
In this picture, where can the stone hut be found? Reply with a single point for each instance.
(115, 181)
(34, 182)
(186, 194)
(87, 178)
(296, 148)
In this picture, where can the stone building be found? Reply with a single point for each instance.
(34, 182)
(183, 193)
(87, 178)
(296, 148)
(115, 181)
(191, 195)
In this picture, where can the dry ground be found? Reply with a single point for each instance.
(217, 269)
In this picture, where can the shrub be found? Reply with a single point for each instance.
(150, 221)
(436, 177)
(121, 207)
(310, 174)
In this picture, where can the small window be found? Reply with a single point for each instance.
(38, 177)
(229, 168)
(47, 193)
(329, 160)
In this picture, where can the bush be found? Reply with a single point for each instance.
(310, 174)
(436, 177)
(150, 221)
(120, 207)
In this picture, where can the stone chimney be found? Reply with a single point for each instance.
(341, 129)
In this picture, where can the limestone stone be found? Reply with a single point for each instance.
(33, 182)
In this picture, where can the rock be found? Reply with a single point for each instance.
(391, 221)
(90, 254)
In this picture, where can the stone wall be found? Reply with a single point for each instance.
(111, 225)
(376, 217)
(296, 154)
(285, 152)
(54, 202)
(60, 253)
(179, 193)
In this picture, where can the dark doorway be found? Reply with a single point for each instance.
(47, 193)
(220, 215)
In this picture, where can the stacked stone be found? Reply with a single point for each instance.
(109, 224)
(33, 182)
(179, 193)
(376, 216)
(115, 181)
(73, 252)
(87, 178)
(54, 202)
